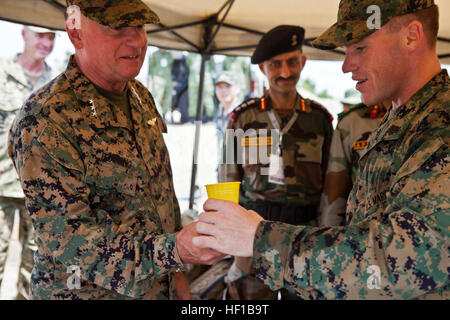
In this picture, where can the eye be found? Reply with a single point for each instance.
(361, 48)
(275, 64)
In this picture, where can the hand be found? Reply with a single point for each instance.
(230, 229)
(182, 286)
(189, 253)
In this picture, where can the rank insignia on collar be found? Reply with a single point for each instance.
(152, 122)
(93, 110)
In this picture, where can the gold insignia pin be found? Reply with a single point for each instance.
(94, 112)
(151, 122)
(294, 40)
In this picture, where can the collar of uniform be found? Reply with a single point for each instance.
(373, 113)
(97, 106)
(397, 121)
(301, 106)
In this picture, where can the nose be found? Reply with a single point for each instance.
(285, 72)
(349, 64)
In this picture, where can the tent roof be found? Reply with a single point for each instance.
(245, 21)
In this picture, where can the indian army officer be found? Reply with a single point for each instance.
(19, 77)
(349, 142)
(285, 181)
(395, 242)
(95, 171)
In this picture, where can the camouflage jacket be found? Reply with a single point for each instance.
(305, 150)
(14, 90)
(397, 222)
(100, 196)
(349, 141)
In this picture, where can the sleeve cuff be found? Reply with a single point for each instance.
(271, 249)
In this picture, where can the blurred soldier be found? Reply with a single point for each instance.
(227, 92)
(285, 181)
(95, 171)
(19, 77)
(349, 142)
(395, 242)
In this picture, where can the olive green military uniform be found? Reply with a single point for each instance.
(349, 141)
(305, 150)
(397, 219)
(99, 190)
(15, 88)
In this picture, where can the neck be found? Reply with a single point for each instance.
(117, 87)
(284, 101)
(30, 65)
(418, 76)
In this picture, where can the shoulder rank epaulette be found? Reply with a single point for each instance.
(321, 108)
(355, 107)
(252, 102)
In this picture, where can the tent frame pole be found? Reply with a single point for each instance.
(208, 37)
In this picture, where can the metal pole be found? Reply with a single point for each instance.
(198, 124)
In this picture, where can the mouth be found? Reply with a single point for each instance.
(360, 83)
(129, 57)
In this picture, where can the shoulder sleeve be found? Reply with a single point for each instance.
(246, 105)
(317, 106)
(345, 113)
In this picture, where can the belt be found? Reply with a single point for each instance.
(295, 215)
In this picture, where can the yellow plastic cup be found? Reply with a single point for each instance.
(224, 191)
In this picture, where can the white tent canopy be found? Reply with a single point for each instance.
(183, 23)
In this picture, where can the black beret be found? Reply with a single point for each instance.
(280, 39)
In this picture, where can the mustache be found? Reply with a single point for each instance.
(293, 78)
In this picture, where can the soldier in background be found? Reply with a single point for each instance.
(349, 141)
(285, 183)
(227, 92)
(19, 77)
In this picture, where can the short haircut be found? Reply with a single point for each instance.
(429, 18)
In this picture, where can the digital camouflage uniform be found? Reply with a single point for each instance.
(349, 141)
(99, 190)
(305, 150)
(397, 219)
(15, 88)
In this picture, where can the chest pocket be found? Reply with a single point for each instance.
(309, 151)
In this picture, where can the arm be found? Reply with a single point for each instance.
(337, 184)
